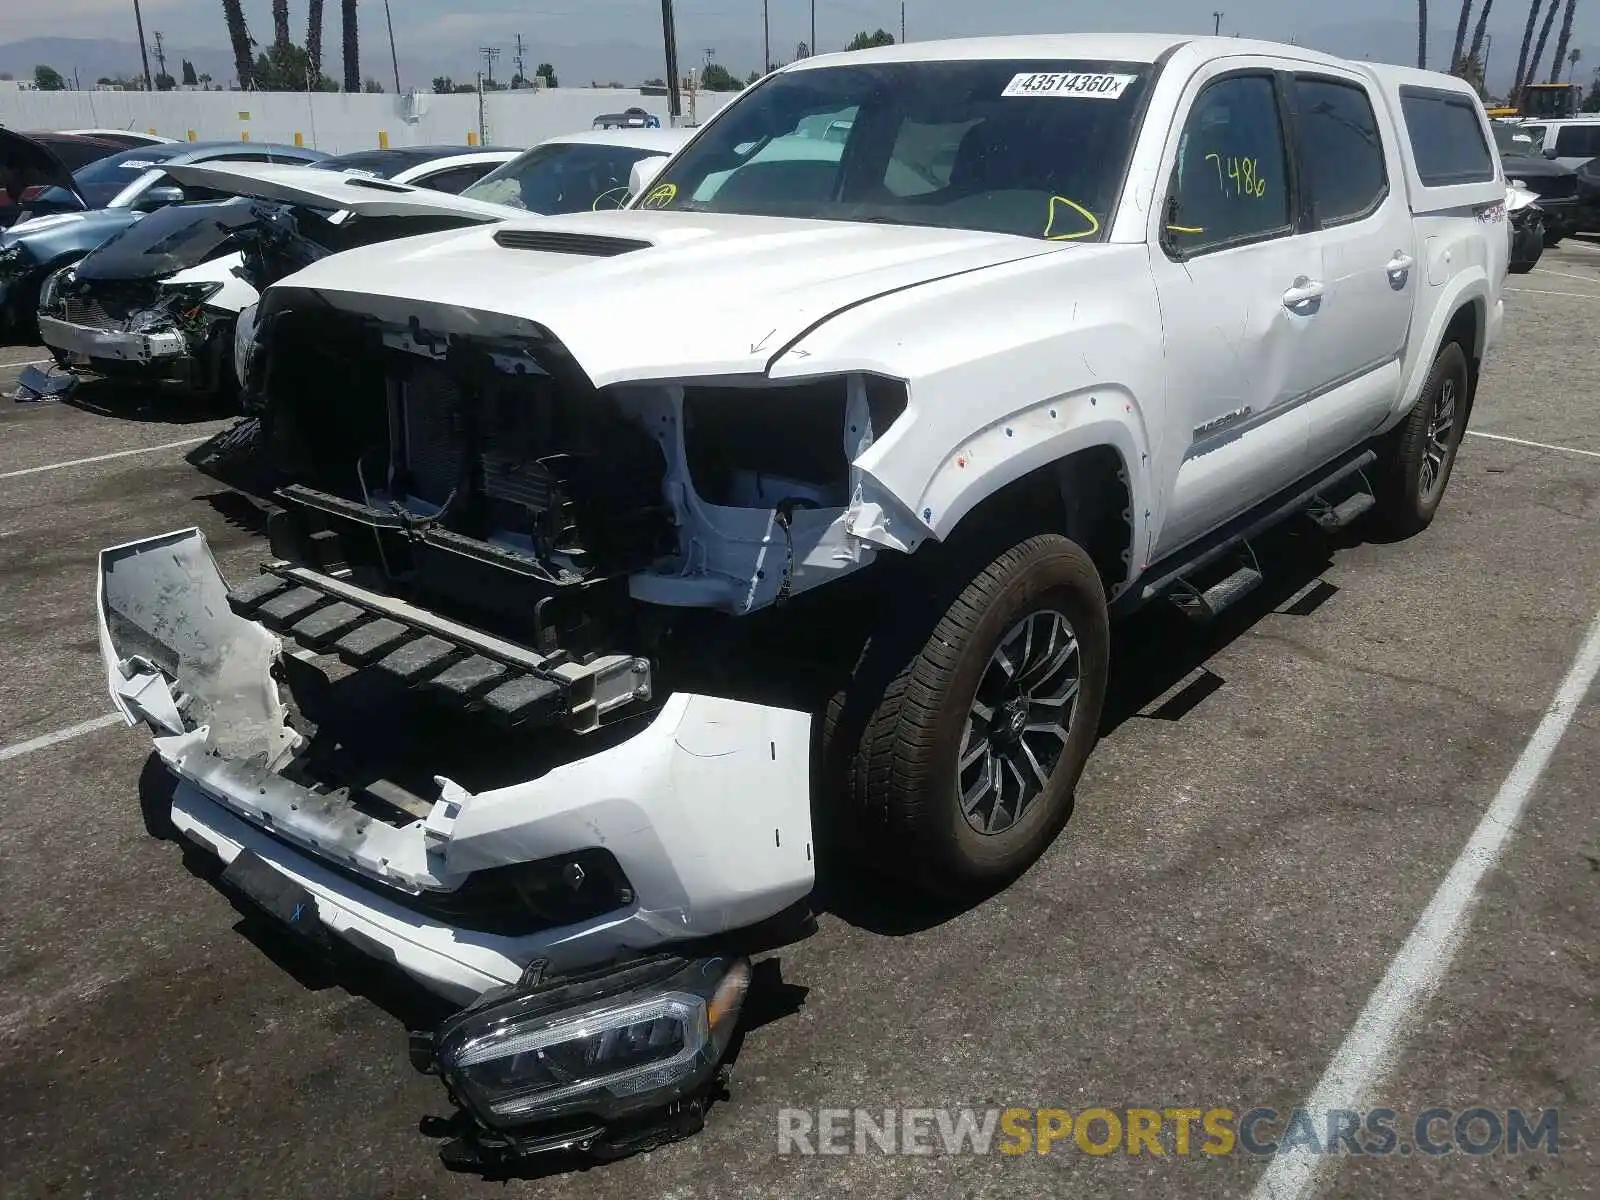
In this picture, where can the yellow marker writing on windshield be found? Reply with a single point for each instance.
(662, 196)
(1056, 204)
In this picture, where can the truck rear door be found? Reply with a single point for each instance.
(1353, 173)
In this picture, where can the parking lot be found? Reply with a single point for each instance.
(1274, 803)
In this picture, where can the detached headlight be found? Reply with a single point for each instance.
(613, 1044)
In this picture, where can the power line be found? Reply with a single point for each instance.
(490, 53)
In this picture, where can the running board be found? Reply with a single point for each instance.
(1347, 512)
(1206, 605)
(1171, 574)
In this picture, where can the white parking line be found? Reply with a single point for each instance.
(1500, 437)
(83, 462)
(1370, 1048)
(29, 362)
(60, 735)
(1567, 275)
(1543, 292)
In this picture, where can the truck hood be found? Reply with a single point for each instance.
(315, 187)
(637, 295)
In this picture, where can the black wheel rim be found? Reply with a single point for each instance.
(1439, 442)
(1019, 720)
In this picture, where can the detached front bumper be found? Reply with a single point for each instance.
(162, 348)
(706, 810)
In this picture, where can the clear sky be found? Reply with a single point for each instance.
(446, 25)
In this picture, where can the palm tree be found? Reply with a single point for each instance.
(352, 50)
(1422, 33)
(314, 38)
(1521, 76)
(1565, 36)
(1461, 34)
(1544, 36)
(280, 23)
(1475, 54)
(239, 35)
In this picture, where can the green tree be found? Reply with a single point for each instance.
(717, 78)
(656, 82)
(48, 79)
(371, 85)
(443, 84)
(287, 68)
(548, 73)
(165, 82)
(190, 79)
(866, 41)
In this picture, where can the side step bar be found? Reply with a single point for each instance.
(1171, 577)
(368, 629)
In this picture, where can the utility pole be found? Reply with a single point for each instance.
(669, 39)
(521, 62)
(490, 53)
(902, 22)
(1216, 23)
(161, 56)
(394, 59)
(766, 40)
(138, 19)
(812, 44)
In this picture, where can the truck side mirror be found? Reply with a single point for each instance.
(644, 173)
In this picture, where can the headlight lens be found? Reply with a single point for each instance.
(607, 1045)
(50, 289)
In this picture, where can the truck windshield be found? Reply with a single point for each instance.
(1032, 148)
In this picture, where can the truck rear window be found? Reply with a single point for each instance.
(1446, 138)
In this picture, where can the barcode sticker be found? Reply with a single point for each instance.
(1071, 84)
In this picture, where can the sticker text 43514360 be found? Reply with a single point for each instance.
(1081, 85)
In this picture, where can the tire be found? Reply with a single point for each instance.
(902, 779)
(1552, 239)
(1415, 461)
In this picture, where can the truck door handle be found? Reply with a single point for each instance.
(1400, 266)
(1303, 292)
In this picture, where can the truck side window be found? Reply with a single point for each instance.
(1230, 183)
(1340, 148)
(1446, 138)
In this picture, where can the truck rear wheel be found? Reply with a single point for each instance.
(965, 764)
(1415, 462)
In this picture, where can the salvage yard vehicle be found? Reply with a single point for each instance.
(85, 208)
(564, 633)
(1556, 185)
(159, 302)
(1526, 220)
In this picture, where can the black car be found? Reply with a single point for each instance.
(1587, 216)
(1555, 185)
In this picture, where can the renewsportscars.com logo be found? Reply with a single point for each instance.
(1163, 1132)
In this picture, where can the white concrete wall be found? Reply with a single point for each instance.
(334, 121)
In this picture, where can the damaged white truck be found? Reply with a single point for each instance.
(610, 549)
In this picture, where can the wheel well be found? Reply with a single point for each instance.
(1464, 328)
(1084, 496)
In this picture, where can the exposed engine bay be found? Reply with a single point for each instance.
(479, 477)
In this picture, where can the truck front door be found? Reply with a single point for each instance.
(1238, 286)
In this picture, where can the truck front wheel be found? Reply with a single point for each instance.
(966, 762)
(1417, 456)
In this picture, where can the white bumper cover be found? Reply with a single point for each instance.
(706, 809)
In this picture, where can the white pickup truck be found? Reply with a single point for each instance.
(609, 545)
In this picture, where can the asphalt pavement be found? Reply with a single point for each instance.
(1274, 804)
